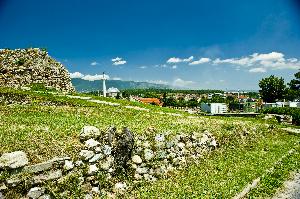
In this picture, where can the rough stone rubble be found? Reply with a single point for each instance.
(104, 157)
(23, 67)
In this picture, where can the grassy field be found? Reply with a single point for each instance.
(248, 147)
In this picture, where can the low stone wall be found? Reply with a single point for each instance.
(23, 67)
(101, 165)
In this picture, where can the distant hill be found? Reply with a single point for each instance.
(86, 86)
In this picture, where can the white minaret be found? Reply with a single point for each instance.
(104, 85)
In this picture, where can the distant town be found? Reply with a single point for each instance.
(209, 101)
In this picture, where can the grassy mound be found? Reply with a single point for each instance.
(247, 147)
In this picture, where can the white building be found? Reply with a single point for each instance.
(209, 95)
(281, 104)
(295, 104)
(214, 108)
(112, 92)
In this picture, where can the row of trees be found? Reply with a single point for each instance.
(273, 88)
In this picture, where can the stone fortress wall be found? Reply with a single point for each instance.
(23, 67)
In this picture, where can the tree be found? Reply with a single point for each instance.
(272, 88)
(232, 102)
(192, 103)
(217, 99)
(125, 94)
(293, 92)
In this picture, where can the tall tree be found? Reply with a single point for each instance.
(272, 88)
(293, 92)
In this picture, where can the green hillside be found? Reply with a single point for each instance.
(47, 125)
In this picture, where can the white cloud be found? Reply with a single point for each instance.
(257, 70)
(273, 56)
(88, 77)
(292, 60)
(76, 75)
(182, 83)
(200, 61)
(94, 77)
(94, 63)
(116, 78)
(173, 60)
(143, 67)
(262, 62)
(157, 82)
(188, 59)
(235, 61)
(118, 61)
(221, 80)
(174, 66)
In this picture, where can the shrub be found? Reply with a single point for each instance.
(41, 87)
(20, 62)
(292, 111)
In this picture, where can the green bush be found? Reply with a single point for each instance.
(292, 111)
(40, 87)
(20, 62)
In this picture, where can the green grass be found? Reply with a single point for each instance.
(51, 130)
(248, 146)
(273, 180)
(225, 172)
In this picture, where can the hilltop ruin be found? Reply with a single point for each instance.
(24, 67)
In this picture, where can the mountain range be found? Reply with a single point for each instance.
(82, 85)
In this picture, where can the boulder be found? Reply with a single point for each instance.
(95, 190)
(2, 186)
(148, 154)
(123, 148)
(45, 177)
(107, 150)
(35, 192)
(92, 169)
(91, 143)
(13, 181)
(142, 170)
(136, 159)
(46, 196)
(86, 154)
(120, 186)
(68, 165)
(13, 160)
(79, 163)
(96, 157)
(105, 165)
(89, 132)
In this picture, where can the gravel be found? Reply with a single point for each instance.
(291, 189)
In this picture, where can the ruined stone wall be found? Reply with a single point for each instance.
(105, 156)
(23, 67)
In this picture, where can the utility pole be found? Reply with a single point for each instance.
(239, 100)
(104, 85)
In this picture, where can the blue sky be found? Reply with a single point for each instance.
(192, 44)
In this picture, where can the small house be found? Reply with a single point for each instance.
(155, 101)
(112, 92)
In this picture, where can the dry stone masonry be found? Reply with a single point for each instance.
(23, 67)
(109, 163)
